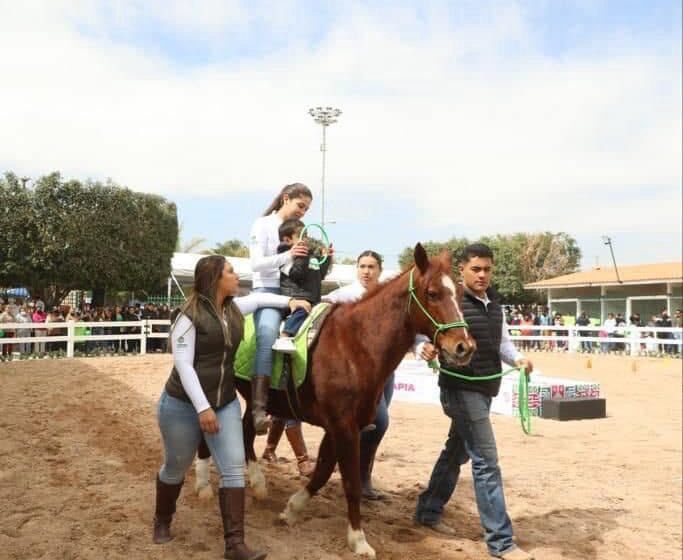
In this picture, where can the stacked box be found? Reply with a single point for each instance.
(540, 388)
(416, 382)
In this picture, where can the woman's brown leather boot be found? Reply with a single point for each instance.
(167, 495)
(259, 402)
(231, 502)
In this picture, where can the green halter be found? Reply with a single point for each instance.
(440, 327)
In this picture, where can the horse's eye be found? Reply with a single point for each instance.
(432, 294)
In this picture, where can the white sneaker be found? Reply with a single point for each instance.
(284, 345)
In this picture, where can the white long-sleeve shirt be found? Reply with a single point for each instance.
(183, 339)
(264, 258)
(508, 352)
(345, 294)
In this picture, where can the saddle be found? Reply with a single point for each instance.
(297, 364)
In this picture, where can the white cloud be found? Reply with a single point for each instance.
(441, 114)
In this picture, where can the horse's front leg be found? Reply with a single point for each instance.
(324, 467)
(257, 481)
(348, 455)
(202, 486)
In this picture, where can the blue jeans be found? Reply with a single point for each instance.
(267, 325)
(180, 432)
(294, 321)
(381, 421)
(470, 437)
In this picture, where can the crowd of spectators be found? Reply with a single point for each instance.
(520, 319)
(34, 311)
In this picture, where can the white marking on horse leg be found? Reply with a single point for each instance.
(201, 484)
(358, 544)
(296, 503)
(257, 481)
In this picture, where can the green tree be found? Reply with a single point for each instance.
(546, 255)
(520, 258)
(88, 235)
(18, 230)
(433, 248)
(230, 248)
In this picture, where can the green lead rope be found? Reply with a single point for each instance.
(523, 393)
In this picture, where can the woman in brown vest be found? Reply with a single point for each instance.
(199, 397)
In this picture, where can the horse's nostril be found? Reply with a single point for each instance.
(461, 349)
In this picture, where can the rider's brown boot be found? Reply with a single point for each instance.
(259, 402)
(231, 501)
(166, 497)
(295, 436)
(277, 426)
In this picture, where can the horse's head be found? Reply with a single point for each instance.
(435, 307)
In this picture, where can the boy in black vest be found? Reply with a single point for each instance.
(468, 404)
(301, 280)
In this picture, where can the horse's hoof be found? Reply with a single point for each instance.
(257, 481)
(358, 544)
(295, 505)
(288, 517)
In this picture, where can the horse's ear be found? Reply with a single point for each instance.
(421, 258)
(446, 258)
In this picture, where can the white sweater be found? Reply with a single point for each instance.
(264, 259)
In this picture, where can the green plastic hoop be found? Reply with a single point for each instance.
(326, 241)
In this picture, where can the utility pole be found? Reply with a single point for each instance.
(608, 241)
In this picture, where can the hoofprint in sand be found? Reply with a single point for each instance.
(79, 449)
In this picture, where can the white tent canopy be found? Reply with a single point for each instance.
(183, 264)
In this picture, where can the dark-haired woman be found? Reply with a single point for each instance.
(368, 271)
(292, 202)
(199, 397)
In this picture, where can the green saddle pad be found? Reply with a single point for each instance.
(246, 353)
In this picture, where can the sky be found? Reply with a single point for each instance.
(459, 118)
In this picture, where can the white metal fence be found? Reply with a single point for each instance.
(626, 339)
(32, 339)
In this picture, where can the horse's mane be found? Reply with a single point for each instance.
(381, 285)
(374, 291)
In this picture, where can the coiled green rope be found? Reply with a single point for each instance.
(523, 392)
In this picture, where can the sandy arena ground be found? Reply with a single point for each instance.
(79, 448)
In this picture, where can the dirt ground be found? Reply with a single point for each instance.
(79, 449)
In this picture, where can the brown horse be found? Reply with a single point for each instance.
(359, 346)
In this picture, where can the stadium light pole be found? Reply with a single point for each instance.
(324, 116)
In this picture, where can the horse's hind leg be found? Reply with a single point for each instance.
(323, 470)
(348, 455)
(257, 481)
